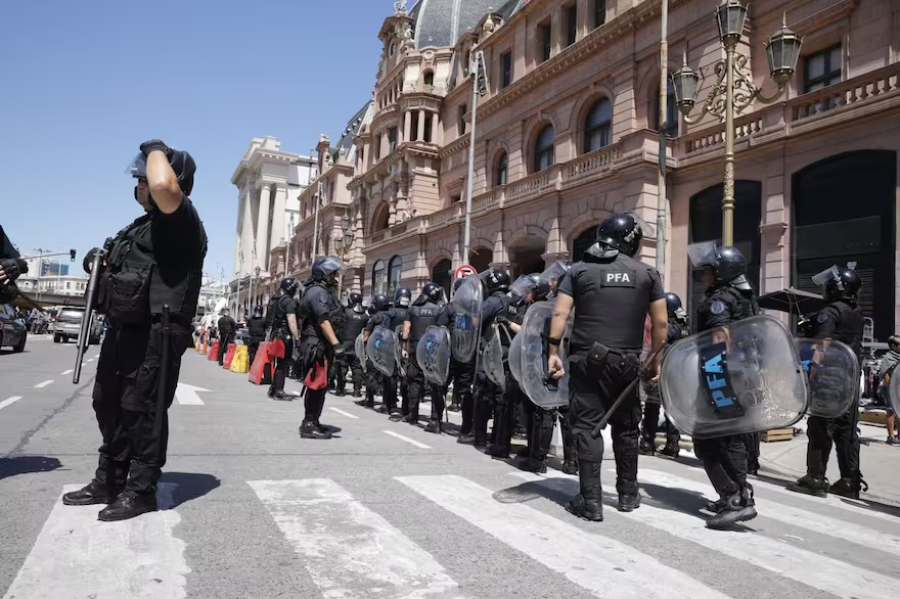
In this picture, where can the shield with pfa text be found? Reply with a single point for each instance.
(492, 359)
(433, 354)
(380, 348)
(743, 378)
(833, 373)
(467, 303)
(359, 347)
(531, 359)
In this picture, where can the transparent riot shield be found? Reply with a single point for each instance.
(381, 350)
(433, 355)
(534, 377)
(833, 377)
(492, 359)
(398, 352)
(467, 302)
(743, 378)
(514, 358)
(360, 347)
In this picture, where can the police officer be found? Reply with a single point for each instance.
(285, 329)
(496, 285)
(462, 374)
(256, 327)
(153, 264)
(397, 316)
(425, 312)
(375, 379)
(556, 274)
(611, 293)
(11, 268)
(355, 320)
(677, 329)
(841, 320)
(729, 298)
(227, 329)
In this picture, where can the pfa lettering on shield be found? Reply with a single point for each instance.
(717, 382)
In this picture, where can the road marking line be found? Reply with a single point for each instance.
(44, 384)
(343, 543)
(97, 356)
(846, 531)
(69, 371)
(407, 439)
(343, 413)
(815, 570)
(75, 555)
(604, 566)
(10, 401)
(91, 360)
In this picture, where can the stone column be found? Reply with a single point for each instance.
(437, 130)
(279, 216)
(262, 227)
(421, 134)
(407, 127)
(582, 21)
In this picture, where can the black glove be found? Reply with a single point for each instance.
(339, 352)
(12, 268)
(295, 356)
(501, 320)
(88, 261)
(155, 144)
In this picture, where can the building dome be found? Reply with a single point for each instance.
(439, 23)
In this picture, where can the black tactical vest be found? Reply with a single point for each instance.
(284, 305)
(398, 315)
(355, 321)
(850, 324)
(309, 324)
(420, 318)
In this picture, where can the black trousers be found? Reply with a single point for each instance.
(374, 380)
(508, 404)
(843, 434)
(281, 367)
(125, 404)
(418, 385)
(350, 361)
(650, 425)
(539, 429)
(725, 462)
(252, 348)
(313, 351)
(592, 391)
(224, 341)
(484, 396)
(463, 376)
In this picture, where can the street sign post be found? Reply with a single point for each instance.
(464, 271)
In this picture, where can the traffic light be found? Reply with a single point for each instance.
(71, 255)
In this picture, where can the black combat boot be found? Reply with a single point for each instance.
(670, 450)
(530, 464)
(128, 505)
(588, 504)
(738, 507)
(646, 446)
(357, 391)
(849, 487)
(308, 430)
(817, 486)
(93, 493)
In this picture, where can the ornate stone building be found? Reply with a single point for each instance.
(567, 134)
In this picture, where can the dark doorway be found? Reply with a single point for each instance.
(706, 225)
(843, 211)
(441, 275)
(582, 243)
(480, 259)
(526, 256)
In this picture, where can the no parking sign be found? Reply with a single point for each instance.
(465, 271)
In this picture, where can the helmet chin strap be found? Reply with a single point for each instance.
(149, 198)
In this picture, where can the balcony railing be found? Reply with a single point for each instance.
(857, 92)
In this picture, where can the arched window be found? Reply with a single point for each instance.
(583, 242)
(395, 266)
(671, 128)
(378, 282)
(500, 172)
(543, 149)
(428, 80)
(381, 217)
(440, 275)
(597, 129)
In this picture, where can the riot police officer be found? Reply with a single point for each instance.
(841, 320)
(728, 299)
(462, 374)
(256, 327)
(398, 315)
(677, 329)
(355, 320)
(611, 293)
(374, 377)
(148, 290)
(424, 313)
(11, 268)
(227, 329)
(285, 330)
(555, 275)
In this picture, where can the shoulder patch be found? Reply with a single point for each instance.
(823, 317)
(717, 307)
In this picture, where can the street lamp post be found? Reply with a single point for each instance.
(735, 83)
(343, 246)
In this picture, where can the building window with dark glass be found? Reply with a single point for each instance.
(671, 124)
(543, 149)
(819, 71)
(461, 122)
(597, 126)
(544, 35)
(428, 121)
(599, 15)
(392, 139)
(429, 82)
(414, 125)
(571, 13)
(500, 172)
(378, 147)
(378, 282)
(395, 267)
(505, 69)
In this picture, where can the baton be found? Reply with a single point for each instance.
(162, 384)
(90, 297)
(603, 421)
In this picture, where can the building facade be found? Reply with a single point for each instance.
(269, 182)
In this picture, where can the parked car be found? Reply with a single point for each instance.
(13, 332)
(68, 326)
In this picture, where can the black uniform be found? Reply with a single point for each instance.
(227, 329)
(462, 374)
(611, 298)
(355, 320)
(421, 316)
(486, 392)
(256, 326)
(284, 305)
(510, 400)
(155, 261)
(676, 331)
(374, 377)
(397, 316)
(13, 267)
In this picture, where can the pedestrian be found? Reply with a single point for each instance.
(256, 327)
(227, 329)
(425, 312)
(285, 334)
(611, 293)
(154, 266)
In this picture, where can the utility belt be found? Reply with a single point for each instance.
(622, 363)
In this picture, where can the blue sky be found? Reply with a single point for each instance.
(84, 83)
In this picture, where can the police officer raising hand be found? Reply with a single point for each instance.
(611, 293)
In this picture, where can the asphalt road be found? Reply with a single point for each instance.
(382, 510)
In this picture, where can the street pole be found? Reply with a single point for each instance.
(475, 72)
(663, 125)
(728, 197)
(318, 198)
(287, 255)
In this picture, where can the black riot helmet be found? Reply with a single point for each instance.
(495, 280)
(402, 297)
(258, 312)
(838, 283)
(355, 299)
(727, 263)
(621, 232)
(673, 303)
(457, 283)
(434, 292)
(290, 285)
(381, 303)
(371, 310)
(181, 162)
(541, 289)
(325, 270)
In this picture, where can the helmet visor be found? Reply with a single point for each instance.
(703, 254)
(829, 274)
(330, 265)
(556, 270)
(137, 167)
(521, 287)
